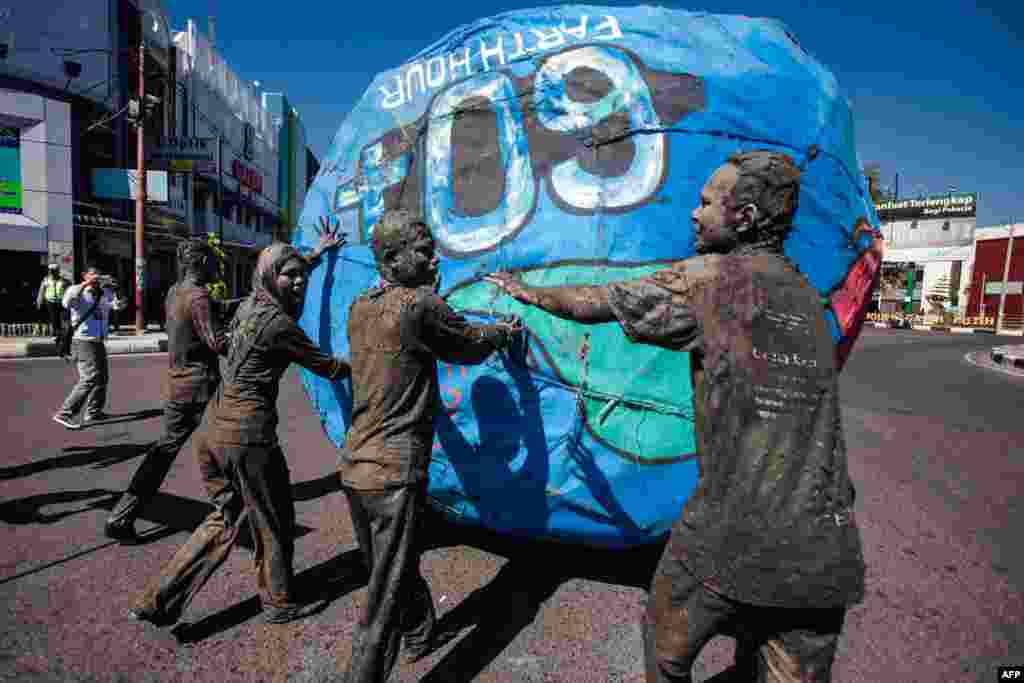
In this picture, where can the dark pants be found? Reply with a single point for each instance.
(398, 602)
(245, 483)
(180, 420)
(56, 313)
(93, 376)
(774, 644)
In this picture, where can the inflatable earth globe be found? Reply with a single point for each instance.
(570, 144)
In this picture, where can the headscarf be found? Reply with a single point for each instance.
(264, 280)
(261, 306)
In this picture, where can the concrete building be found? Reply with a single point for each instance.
(987, 283)
(68, 149)
(928, 241)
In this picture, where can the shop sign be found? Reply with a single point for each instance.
(951, 205)
(10, 170)
(247, 177)
(997, 288)
(120, 183)
(186, 154)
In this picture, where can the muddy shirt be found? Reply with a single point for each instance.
(195, 337)
(396, 336)
(263, 345)
(771, 521)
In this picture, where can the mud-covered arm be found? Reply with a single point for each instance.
(587, 304)
(451, 337)
(663, 309)
(208, 326)
(298, 348)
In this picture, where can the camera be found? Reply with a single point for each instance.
(107, 282)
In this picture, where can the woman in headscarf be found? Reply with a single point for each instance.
(241, 461)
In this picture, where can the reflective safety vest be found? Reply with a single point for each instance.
(54, 289)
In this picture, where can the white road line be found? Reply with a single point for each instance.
(994, 366)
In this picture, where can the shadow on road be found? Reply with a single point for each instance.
(172, 514)
(328, 581)
(30, 510)
(512, 599)
(78, 456)
(316, 488)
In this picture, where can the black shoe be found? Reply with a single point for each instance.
(64, 420)
(120, 531)
(284, 615)
(414, 653)
(97, 417)
(155, 618)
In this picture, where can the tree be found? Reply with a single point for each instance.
(873, 174)
(218, 289)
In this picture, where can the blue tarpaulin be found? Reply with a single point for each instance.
(570, 144)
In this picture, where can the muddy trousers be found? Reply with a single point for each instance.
(398, 606)
(773, 644)
(180, 420)
(248, 485)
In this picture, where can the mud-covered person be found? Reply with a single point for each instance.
(767, 548)
(195, 338)
(240, 459)
(397, 332)
(90, 304)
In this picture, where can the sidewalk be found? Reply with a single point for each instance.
(951, 330)
(123, 340)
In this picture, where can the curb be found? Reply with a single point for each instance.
(949, 330)
(42, 349)
(1012, 356)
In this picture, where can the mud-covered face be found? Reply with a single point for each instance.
(291, 283)
(716, 223)
(417, 264)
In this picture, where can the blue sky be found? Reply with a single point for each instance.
(937, 88)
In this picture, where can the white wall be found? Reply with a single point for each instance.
(33, 29)
(45, 224)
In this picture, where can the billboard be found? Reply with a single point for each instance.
(950, 205)
(10, 170)
(186, 154)
(570, 144)
(120, 183)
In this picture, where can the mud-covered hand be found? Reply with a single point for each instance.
(329, 239)
(511, 285)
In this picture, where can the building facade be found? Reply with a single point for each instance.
(68, 150)
(988, 283)
(929, 246)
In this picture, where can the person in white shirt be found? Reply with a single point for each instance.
(88, 348)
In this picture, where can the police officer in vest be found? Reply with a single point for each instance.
(51, 295)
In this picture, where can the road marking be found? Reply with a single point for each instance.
(993, 366)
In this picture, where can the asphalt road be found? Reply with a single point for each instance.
(936, 450)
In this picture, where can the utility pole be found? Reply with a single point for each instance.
(140, 198)
(1006, 281)
(982, 300)
(220, 190)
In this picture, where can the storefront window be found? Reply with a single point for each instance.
(10, 170)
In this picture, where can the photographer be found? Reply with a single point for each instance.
(90, 304)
